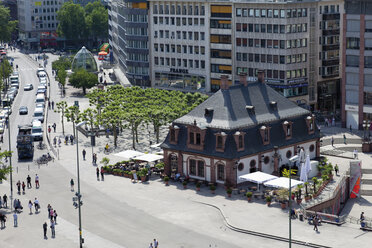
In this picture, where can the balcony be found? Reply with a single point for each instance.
(333, 16)
(331, 32)
(331, 47)
(331, 75)
(330, 62)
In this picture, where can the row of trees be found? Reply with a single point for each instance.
(77, 23)
(5, 71)
(119, 108)
(6, 25)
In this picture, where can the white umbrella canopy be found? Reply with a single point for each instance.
(303, 175)
(282, 182)
(128, 154)
(307, 165)
(149, 157)
(257, 177)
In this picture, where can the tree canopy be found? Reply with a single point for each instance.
(4, 170)
(71, 19)
(83, 79)
(6, 25)
(131, 107)
(78, 23)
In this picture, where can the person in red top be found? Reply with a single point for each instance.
(102, 173)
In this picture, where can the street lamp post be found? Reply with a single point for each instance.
(10, 164)
(78, 178)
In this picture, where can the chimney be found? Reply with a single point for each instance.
(224, 82)
(243, 78)
(261, 76)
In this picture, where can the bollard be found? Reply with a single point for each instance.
(28, 167)
(17, 169)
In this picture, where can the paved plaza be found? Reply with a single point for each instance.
(119, 213)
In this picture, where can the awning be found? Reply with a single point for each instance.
(282, 182)
(102, 53)
(128, 154)
(104, 47)
(149, 157)
(257, 177)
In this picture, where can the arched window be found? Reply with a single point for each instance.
(220, 172)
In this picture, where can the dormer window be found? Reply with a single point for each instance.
(195, 137)
(220, 141)
(173, 134)
(310, 122)
(287, 128)
(265, 134)
(239, 140)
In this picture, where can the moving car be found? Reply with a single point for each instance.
(28, 87)
(23, 110)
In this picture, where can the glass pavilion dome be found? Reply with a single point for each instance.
(84, 60)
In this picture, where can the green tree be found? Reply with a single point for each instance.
(83, 79)
(61, 108)
(72, 24)
(112, 118)
(62, 62)
(4, 170)
(5, 70)
(97, 20)
(61, 78)
(6, 26)
(90, 116)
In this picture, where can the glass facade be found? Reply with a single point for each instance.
(84, 60)
(180, 81)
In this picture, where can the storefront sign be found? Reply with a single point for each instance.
(298, 80)
(349, 107)
(176, 70)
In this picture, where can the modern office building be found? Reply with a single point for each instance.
(296, 42)
(128, 37)
(357, 64)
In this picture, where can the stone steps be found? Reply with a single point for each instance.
(367, 179)
(366, 171)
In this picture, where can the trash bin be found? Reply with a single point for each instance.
(301, 217)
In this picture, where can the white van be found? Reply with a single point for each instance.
(37, 131)
(39, 114)
(40, 69)
(40, 98)
(42, 74)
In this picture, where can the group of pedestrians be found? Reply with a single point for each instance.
(37, 182)
(98, 171)
(155, 244)
(71, 137)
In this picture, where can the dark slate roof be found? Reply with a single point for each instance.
(229, 108)
(252, 139)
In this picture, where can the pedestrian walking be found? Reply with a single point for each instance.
(53, 228)
(55, 216)
(66, 139)
(2, 220)
(351, 130)
(5, 201)
(72, 184)
(49, 208)
(45, 227)
(332, 141)
(15, 219)
(72, 139)
(54, 127)
(84, 153)
(97, 172)
(37, 185)
(326, 122)
(51, 213)
(362, 217)
(315, 223)
(30, 206)
(150, 246)
(28, 179)
(53, 105)
(37, 205)
(156, 243)
(48, 105)
(24, 187)
(55, 141)
(59, 141)
(102, 173)
(344, 139)
(19, 187)
(49, 129)
(336, 169)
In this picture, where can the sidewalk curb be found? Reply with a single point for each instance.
(259, 234)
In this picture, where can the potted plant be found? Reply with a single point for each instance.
(126, 174)
(130, 174)
(283, 197)
(268, 199)
(249, 196)
(166, 180)
(184, 183)
(315, 181)
(198, 184)
(229, 191)
(143, 174)
(212, 187)
(105, 161)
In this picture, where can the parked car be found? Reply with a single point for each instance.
(2, 127)
(23, 110)
(28, 87)
(40, 105)
(39, 70)
(8, 110)
(13, 90)
(39, 114)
